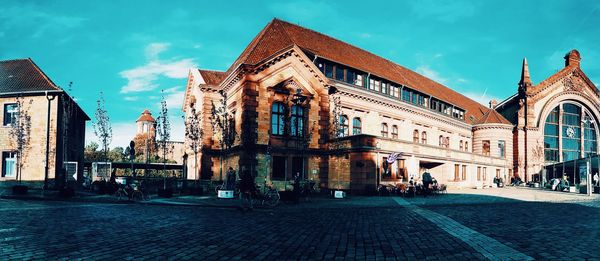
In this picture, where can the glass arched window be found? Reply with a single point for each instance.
(297, 121)
(277, 114)
(384, 130)
(344, 126)
(442, 140)
(416, 136)
(574, 127)
(466, 146)
(394, 131)
(460, 145)
(424, 137)
(447, 142)
(356, 126)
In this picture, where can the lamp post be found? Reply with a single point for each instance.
(588, 121)
(50, 97)
(298, 100)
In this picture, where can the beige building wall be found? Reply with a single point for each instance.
(34, 156)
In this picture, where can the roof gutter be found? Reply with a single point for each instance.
(29, 93)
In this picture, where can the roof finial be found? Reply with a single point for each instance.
(525, 78)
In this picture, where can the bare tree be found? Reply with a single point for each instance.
(102, 127)
(193, 133)
(163, 129)
(223, 125)
(20, 132)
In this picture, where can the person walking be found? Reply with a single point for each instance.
(296, 189)
(230, 179)
(596, 180)
(247, 187)
(427, 181)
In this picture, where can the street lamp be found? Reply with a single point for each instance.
(298, 100)
(588, 121)
(50, 97)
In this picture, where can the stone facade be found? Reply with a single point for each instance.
(66, 139)
(461, 148)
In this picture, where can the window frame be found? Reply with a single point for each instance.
(280, 122)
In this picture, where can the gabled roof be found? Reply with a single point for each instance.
(146, 116)
(23, 75)
(279, 35)
(492, 116)
(212, 77)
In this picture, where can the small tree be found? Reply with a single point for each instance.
(193, 134)
(223, 126)
(102, 127)
(164, 132)
(20, 132)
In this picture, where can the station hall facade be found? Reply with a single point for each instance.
(298, 101)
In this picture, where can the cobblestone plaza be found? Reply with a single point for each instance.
(495, 224)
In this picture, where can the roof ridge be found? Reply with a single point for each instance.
(43, 74)
(13, 60)
(208, 70)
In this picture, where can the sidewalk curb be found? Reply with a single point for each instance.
(58, 199)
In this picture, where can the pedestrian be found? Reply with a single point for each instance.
(247, 187)
(596, 180)
(230, 179)
(427, 181)
(296, 189)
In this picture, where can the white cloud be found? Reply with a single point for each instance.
(31, 14)
(365, 35)
(154, 49)
(431, 74)
(143, 78)
(131, 98)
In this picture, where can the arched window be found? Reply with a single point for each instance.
(447, 143)
(297, 121)
(416, 136)
(344, 126)
(277, 115)
(394, 131)
(466, 146)
(441, 141)
(424, 137)
(460, 145)
(384, 130)
(356, 126)
(577, 127)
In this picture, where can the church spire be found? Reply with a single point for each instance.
(525, 78)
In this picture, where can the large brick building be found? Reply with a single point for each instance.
(23, 83)
(303, 102)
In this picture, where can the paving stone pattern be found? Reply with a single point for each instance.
(373, 230)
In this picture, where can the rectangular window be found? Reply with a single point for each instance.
(350, 76)
(478, 173)
(328, 70)
(502, 148)
(464, 172)
(456, 172)
(486, 147)
(9, 164)
(359, 80)
(279, 168)
(377, 86)
(10, 113)
(406, 95)
(484, 173)
(386, 170)
(339, 73)
(371, 84)
(497, 173)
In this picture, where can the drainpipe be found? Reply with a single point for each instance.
(49, 98)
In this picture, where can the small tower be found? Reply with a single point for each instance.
(146, 124)
(525, 81)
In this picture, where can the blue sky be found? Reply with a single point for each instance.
(131, 50)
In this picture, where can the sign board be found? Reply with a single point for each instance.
(101, 169)
(225, 194)
(71, 169)
(339, 194)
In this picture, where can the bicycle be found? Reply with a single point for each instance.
(134, 193)
(270, 197)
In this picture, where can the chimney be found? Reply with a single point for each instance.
(573, 58)
(493, 104)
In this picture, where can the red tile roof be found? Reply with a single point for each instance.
(279, 35)
(212, 77)
(23, 75)
(146, 116)
(492, 116)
